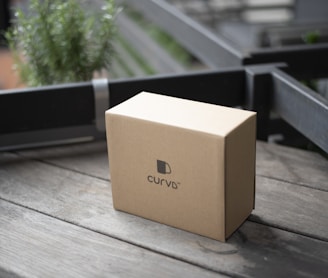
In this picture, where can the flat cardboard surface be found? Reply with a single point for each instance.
(168, 163)
(193, 205)
(240, 174)
(187, 114)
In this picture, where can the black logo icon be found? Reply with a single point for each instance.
(163, 167)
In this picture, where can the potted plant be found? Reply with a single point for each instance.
(62, 41)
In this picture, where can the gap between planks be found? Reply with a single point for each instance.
(64, 167)
(290, 182)
(117, 232)
(170, 263)
(275, 162)
(192, 263)
(254, 217)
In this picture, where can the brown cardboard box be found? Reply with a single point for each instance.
(183, 163)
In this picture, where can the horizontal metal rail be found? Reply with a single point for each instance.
(304, 109)
(302, 60)
(66, 113)
(224, 87)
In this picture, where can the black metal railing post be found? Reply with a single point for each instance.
(258, 96)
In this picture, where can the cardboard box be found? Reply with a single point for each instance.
(183, 163)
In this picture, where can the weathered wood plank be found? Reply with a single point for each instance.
(280, 204)
(272, 161)
(292, 165)
(294, 208)
(36, 245)
(89, 158)
(255, 250)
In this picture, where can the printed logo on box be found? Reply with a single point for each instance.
(163, 168)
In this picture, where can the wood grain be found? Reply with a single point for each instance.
(278, 203)
(292, 165)
(272, 161)
(254, 250)
(90, 158)
(36, 245)
(290, 207)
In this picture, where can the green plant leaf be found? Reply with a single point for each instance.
(60, 41)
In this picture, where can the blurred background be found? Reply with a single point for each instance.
(144, 47)
(179, 36)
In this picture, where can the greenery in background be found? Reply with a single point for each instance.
(59, 41)
(311, 37)
(163, 38)
(139, 60)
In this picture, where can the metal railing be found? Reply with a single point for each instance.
(62, 113)
(54, 114)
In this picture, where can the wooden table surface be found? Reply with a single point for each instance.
(57, 220)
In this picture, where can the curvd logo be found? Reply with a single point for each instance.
(163, 168)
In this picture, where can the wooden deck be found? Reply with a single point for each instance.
(57, 220)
